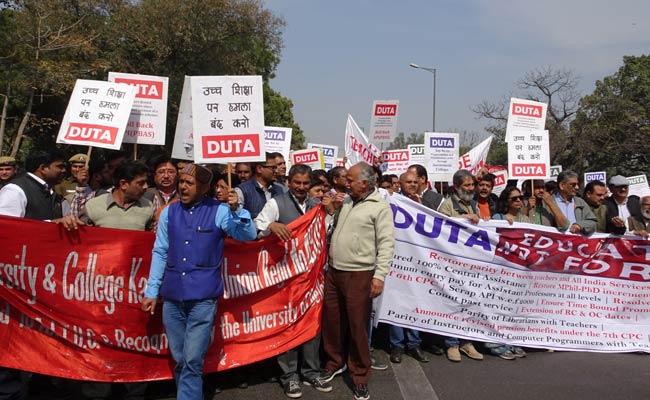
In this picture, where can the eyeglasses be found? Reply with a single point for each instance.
(516, 198)
(574, 184)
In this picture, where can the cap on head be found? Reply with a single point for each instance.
(199, 172)
(7, 161)
(78, 158)
(618, 180)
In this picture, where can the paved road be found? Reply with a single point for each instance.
(541, 375)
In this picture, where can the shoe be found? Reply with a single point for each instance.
(292, 390)
(396, 355)
(507, 355)
(469, 350)
(453, 354)
(327, 375)
(361, 392)
(518, 351)
(376, 365)
(435, 350)
(318, 383)
(417, 353)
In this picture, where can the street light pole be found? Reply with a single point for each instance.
(433, 71)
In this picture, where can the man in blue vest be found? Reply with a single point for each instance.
(273, 219)
(186, 271)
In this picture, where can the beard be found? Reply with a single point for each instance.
(465, 196)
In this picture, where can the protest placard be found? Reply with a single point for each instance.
(525, 115)
(357, 146)
(396, 161)
(638, 186)
(417, 155)
(183, 147)
(441, 152)
(277, 140)
(227, 118)
(500, 181)
(148, 120)
(79, 301)
(474, 159)
(555, 171)
(97, 114)
(528, 155)
(310, 157)
(516, 285)
(595, 176)
(383, 123)
(330, 154)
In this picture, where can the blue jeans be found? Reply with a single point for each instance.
(396, 337)
(188, 325)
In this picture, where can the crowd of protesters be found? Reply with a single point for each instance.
(176, 199)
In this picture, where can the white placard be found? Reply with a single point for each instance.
(330, 154)
(183, 137)
(638, 186)
(383, 123)
(595, 176)
(500, 181)
(525, 114)
(528, 155)
(417, 155)
(97, 114)
(310, 157)
(441, 151)
(396, 161)
(148, 120)
(227, 118)
(278, 140)
(555, 171)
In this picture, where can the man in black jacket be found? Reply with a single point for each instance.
(620, 206)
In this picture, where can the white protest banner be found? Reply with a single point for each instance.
(357, 146)
(227, 118)
(416, 154)
(638, 186)
(555, 171)
(396, 161)
(500, 181)
(97, 114)
(310, 157)
(595, 176)
(528, 155)
(526, 115)
(148, 120)
(474, 159)
(441, 152)
(516, 285)
(383, 123)
(330, 154)
(183, 148)
(277, 140)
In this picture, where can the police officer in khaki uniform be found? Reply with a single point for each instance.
(8, 170)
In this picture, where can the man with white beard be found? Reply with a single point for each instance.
(640, 225)
(461, 204)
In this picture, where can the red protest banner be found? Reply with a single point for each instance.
(70, 302)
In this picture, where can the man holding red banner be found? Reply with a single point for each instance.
(186, 271)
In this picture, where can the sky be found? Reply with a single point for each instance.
(340, 56)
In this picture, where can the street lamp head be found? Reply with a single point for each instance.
(414, 65)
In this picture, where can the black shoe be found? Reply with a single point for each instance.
(318, 383)
(361, 392)
(292, 390)
(417, 353)
(327, 375)
(376, 365)
(396, 355)
(435, 350)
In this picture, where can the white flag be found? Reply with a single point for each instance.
(357, 146)
(474, 159)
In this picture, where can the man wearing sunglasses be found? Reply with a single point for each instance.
(580, 217)
(255, 192)
(620, 206)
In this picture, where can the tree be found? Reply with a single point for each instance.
(278, 112)
(557, 88)
(612, 127)
(402, 142)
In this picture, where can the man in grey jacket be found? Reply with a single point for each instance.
(580, 217)
(360, 254)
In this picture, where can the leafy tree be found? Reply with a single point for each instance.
(402, 142)
(612, 127)
(278, 112)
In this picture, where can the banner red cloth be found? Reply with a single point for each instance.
(70, 302)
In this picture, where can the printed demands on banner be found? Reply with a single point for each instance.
(518, 285)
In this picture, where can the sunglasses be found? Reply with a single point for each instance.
(516, 198)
